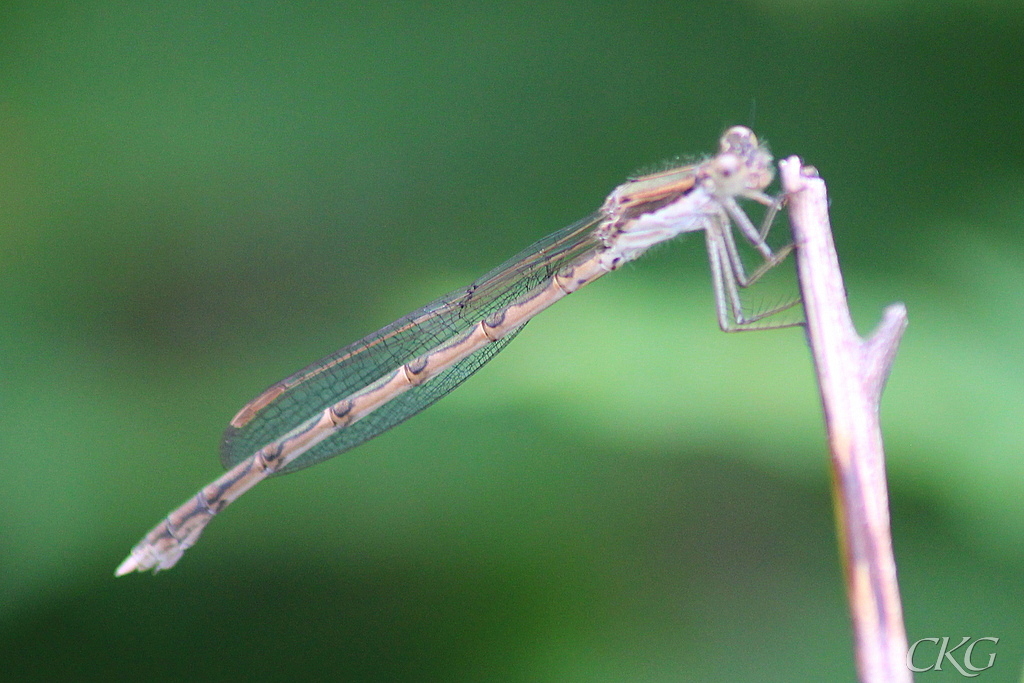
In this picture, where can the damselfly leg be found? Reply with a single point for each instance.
(728, 275)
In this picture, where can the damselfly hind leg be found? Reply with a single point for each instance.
(728, 275)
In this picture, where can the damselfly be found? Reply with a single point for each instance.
(381, 380)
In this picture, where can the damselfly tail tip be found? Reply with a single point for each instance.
(146, 556)
(129, 565)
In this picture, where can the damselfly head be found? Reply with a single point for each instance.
(738, 140)
(742, 165)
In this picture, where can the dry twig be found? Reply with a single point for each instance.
(851, 374)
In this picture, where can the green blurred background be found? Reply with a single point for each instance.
(200, 198)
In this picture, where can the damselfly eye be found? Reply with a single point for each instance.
(728, 164)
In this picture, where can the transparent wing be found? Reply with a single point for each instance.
(291, 401)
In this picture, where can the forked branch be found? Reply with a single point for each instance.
(851, 374)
